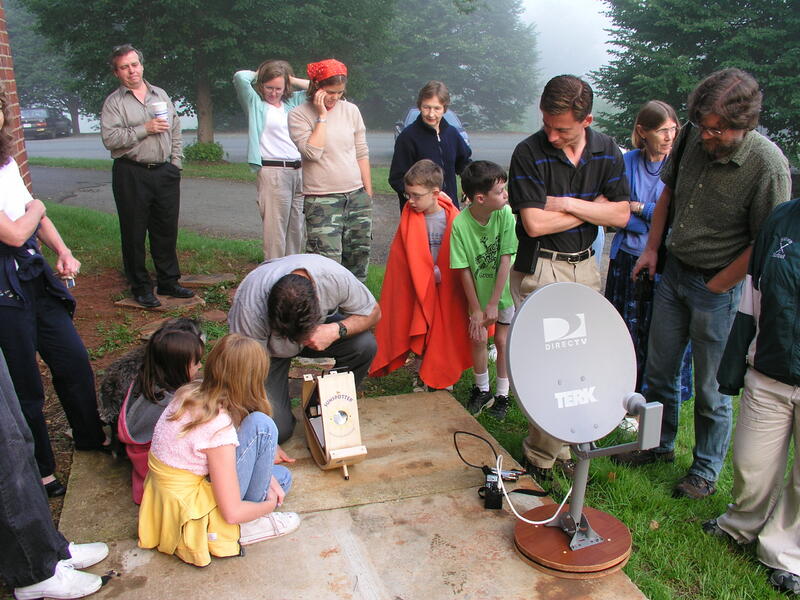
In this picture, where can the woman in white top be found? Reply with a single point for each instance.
(266, 97)
(36, 316)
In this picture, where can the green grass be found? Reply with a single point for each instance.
(239, 172)
(672, 557)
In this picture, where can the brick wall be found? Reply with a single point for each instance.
(10, 84)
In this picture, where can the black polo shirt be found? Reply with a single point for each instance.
(538, 170)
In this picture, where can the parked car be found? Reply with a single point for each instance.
(452, 119)
(45, 123)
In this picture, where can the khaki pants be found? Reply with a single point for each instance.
(280, 202)
(540, 448)
(764, 507)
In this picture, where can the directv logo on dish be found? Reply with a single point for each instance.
(564, 332)
(575, 397)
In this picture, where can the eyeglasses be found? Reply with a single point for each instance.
(416, 197)
(711, 130)
(667, 130)
(429, 108)
(273, 90)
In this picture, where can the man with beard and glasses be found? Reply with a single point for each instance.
(727, 180)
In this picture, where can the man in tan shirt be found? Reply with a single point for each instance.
(141, 128)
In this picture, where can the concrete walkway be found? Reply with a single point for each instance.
(407, 525)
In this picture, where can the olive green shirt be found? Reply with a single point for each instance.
(122, 127)
(720, 204)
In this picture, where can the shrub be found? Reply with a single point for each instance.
(203, 152)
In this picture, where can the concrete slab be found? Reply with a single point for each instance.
(198, 280)
(408, 524)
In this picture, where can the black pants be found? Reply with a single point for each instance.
(43, 325)
(148, 203)
(355, 353)
(31, 544)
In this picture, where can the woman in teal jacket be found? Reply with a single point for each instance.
(266, 97)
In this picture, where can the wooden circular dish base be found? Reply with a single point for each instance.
(547, 548)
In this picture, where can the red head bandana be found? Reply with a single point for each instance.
(324, 69)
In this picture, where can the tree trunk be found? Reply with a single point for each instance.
(73, 106)
(205, 111)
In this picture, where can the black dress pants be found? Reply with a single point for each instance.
(148, 203)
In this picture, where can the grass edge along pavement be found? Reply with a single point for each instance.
(672, 557)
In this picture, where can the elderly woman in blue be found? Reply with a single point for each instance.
(266, 97)
(654, 132)
(36, 316)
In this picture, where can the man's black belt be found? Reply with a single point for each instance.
(288, 164)
(145, 165)
(706, 273)
(570, 257)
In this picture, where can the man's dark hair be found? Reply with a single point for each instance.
(122, 50)
(293, 307)
(731, 94)
(481, 176)
(567, 93)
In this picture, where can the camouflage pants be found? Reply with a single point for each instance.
(339, 227)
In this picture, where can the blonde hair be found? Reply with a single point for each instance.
(233, 380)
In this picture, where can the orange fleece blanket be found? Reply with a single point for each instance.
(419, 315)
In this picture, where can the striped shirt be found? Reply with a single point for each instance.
(538, 170)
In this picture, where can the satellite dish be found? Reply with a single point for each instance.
(572, 365)
(571, 362)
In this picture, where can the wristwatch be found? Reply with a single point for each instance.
(342, 330)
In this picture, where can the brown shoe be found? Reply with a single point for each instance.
(637, 458)
(695, 487)
(566, 466)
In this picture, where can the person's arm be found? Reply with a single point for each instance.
(499, 286)
(327, 333)
(298, 82)
(16, 233)
(176, 157)
(477, 332)
(649, 257)
(732, 274)
(319, 132)
(402, 159)
(598, 211)
(225, 486)
(117, 134)
(366, 177)
(66, 264)
(538, 221)
(243, 84)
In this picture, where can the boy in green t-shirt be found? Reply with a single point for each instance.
(482, 247)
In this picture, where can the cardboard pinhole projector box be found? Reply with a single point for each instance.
(330, 419)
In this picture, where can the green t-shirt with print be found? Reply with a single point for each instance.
(480, 247)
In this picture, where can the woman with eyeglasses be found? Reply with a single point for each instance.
(36, 311)
(331, 137)
(431, 137)
(654, 132)
(266, 97)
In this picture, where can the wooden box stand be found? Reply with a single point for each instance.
(330, 420)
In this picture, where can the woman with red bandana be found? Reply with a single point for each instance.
(330, 135)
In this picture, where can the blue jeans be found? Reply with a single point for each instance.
(255, 457)
(684, 309)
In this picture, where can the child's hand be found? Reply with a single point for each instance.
(276, 491)
(281, 456)
(477, 332)
(490, 316)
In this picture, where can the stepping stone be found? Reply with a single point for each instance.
(167, 303)
(206, 280)
(214, 316)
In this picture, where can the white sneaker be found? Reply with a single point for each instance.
(86, 555)
(273, 525)
(66, 582)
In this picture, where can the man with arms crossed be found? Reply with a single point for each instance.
(564, 182)
(146, 176)
(728, 180)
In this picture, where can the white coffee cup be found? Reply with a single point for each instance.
(159, 110)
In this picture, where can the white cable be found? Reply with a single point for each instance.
(499, 465)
